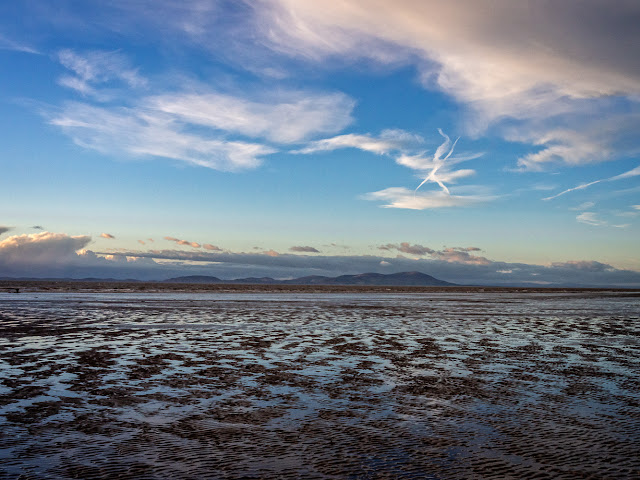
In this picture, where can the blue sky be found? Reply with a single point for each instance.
(488, 142)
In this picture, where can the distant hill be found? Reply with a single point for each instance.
(416, 279)
(405, 279)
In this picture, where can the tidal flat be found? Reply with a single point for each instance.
(153, 382)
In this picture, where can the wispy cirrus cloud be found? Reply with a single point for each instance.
(584, 206)
(553, 74)
(597, 134)
(195, 127)
(9, 44)
(592, 218)
(436, 168)
(93, 70)
(470, 50)
(388, 141)
(400, 197)
(138, 133)
(555, 68)
(281, 117)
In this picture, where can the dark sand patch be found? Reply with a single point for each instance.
(429, 384)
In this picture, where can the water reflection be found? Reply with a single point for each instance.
(211, 385)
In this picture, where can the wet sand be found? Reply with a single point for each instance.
(240, 382)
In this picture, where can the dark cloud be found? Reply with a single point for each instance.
(406, 247)
(460, 255)
(477, 271)
(585, 266)
(38, 227)
(306, 249)
(4, 229)
(451, 254)
(59, 255)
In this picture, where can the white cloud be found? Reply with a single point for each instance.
(41, 248)
(478, 45)
(107, 236)
(539, 63)
(634, 172)
(8, 44)
(569, 147)
(400, 197)
(171, 125)
(584, 265)
(139, 133)
(96, 68)
(287, 117)
(584, 206)
(388, 141)
(596, 134)
(590, 218)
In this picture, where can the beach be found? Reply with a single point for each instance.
(152, 381)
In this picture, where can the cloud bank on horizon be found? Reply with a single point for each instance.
(447, 119)
(57, 255)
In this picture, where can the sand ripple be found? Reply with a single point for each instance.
(266, 385)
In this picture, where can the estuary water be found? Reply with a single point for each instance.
(451, 385)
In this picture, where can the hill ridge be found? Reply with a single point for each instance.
(413, 278)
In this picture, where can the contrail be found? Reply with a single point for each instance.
(439, 162)
(631, 173)
(579, 187)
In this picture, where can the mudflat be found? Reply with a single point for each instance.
(132, 380)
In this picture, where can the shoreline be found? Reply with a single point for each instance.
(10, 286)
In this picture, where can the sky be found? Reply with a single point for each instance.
(481, 142)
